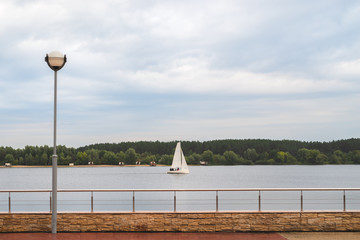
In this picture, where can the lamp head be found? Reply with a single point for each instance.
(56, 60)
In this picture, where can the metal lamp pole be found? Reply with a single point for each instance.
(56, 61)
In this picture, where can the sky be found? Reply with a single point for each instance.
(190, 70)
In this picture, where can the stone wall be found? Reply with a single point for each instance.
(183, 222)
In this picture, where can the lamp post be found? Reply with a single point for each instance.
(56, 61)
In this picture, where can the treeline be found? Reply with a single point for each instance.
(216, 152)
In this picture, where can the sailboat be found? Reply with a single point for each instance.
(179, 165)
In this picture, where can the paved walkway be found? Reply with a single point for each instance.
(183, 236)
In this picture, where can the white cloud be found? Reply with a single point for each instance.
(212, 21)
(196, 76)
(347, 68)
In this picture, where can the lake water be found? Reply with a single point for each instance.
(200, 177)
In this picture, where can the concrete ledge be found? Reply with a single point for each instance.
(183, 222)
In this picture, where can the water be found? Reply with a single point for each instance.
(200, 177)
(324, 176)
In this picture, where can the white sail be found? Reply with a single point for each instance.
(179, 164)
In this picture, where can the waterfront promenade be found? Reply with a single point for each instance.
(183, 236)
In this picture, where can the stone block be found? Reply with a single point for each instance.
(259, 228)
(316, 221)
(223, 228)
(242, 227)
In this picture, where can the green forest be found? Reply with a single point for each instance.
(215, 152)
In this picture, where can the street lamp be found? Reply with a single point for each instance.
(56, 60)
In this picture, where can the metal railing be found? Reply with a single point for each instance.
(260, 199)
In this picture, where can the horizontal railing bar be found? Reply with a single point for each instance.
(185, 190)
(209, 190)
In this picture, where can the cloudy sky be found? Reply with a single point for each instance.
(180, 70)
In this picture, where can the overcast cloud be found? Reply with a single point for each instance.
(180, 70)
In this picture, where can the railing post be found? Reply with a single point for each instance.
(217, 201)
(259, 201)
(344, 201)
(9, 203)
(92, 201)
(133, 201)
(50, 203)
(302, 202)
(174, 201)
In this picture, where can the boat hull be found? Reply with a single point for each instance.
(178, 172)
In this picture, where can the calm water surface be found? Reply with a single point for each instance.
(325, 176)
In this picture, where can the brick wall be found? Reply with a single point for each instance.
(183, 222)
